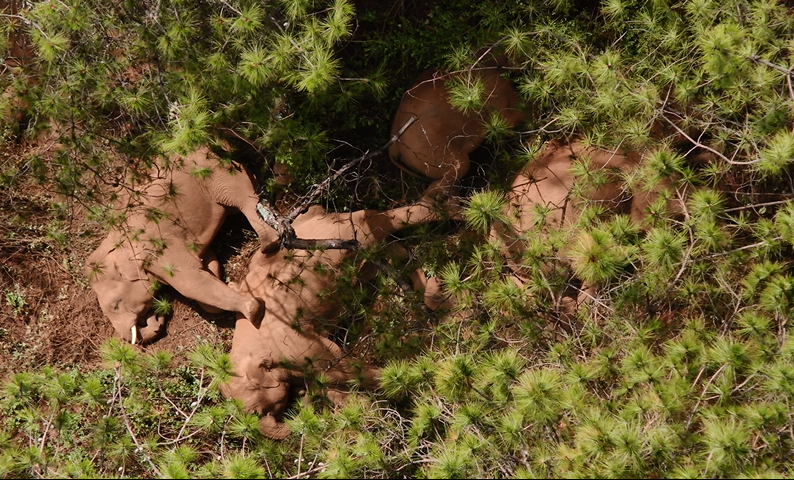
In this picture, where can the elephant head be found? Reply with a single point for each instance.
(261, 389)
(269, 363)
(122, 269)
(125, 295)
(287, 348)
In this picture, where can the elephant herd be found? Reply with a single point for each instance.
(165, 240)
(166, 236)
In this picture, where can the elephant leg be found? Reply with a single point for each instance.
(569, 304)
(338, 397)
(586, 294)
(343, 371)
(434, 297)
(214, 266)
(430, 288)
(186, 274)
(269, 241)
(439, 189)
(372, 226)
(211, 262)
(336, 366)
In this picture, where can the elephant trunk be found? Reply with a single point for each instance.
(148, 332)
(272, 428)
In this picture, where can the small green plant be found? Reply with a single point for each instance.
(163, 306)
(16, 299)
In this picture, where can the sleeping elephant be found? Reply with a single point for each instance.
(548, 182)
(295, 285)
(437, 145)
(166, 240)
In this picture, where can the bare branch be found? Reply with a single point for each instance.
(283, 224)
(703, 146)
(757, 60)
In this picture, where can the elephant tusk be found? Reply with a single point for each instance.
(134, 332)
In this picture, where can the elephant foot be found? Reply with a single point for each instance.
(434, 297)
(269, 241)
(255, 311)
(338, 397)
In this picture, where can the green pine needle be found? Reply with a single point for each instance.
(117, 352)
(238, 465)
(163, 306)
(663, 248)
(466, 93)
(455, 376)
(394, 379)
(484, 209)
(596, 257)
(776, 155)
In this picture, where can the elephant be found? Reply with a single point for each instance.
(548, 181)
(294, 284)
(436, 146)
(166, 240)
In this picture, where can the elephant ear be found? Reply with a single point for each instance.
(130, 268)
(262, 374)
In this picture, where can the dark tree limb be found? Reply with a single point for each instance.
(283, 223)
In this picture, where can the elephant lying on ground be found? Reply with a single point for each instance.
(437, 145)
(166, 239)
(295, 284)
(546, 184)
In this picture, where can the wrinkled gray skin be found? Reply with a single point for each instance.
(121, 270)
(437, 145)
(262, 379)
(548, 180)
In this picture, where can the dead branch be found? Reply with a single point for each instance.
(283, 224)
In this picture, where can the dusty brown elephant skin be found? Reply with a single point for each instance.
(290, 283)
(173, 248)
(437, 145)
(548, 181)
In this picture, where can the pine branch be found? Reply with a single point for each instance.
(789, 73)
(139, 447)
(196, 405)
(703, 146)
(400, 280)
(27, 22)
